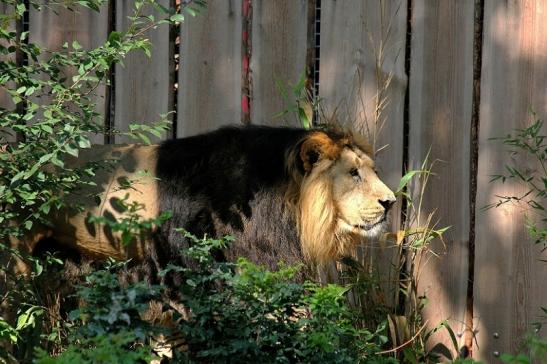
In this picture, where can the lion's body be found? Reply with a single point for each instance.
(284, 194)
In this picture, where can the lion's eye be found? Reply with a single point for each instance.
(354, 172)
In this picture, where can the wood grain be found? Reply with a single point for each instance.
(353, 73)
(142, 88)
(279, 45)
(509, 278)
(52, 27)
(210, 69)
(362, 84)
(440, 110)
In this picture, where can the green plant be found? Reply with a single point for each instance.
(300, 103)
(536, 349)
(50, 114)
(109, 324)
(240, 312)
(529, 144)
(233, 312)
(420, 231)
(34, 176)
(115, 348)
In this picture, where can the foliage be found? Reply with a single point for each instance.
(528, 144)
(50, 114)
(112, 348)
(240, 312)
(53, 113)
(108, 326)
(300, 102)
(535, 346)
(233, 312)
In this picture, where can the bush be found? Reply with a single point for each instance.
(233, 312)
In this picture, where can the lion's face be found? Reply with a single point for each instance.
(361, 199)
(341, 199)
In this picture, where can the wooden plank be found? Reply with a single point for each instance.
(210, 69)
(351, 36)
(51, 27)
(142, 89)
(352, 74)
(440, 110)
(510, 280)
(279, 45)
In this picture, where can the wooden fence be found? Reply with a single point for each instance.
(437, 77)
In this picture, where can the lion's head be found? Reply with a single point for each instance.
(339, 199)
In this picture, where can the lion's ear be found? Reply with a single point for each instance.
(316, 147)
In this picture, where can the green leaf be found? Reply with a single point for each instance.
(177, 18)
(45, 158)
(114, 37)
(17, 177)
(406, 179)
(28, 318)
(72, 150)
(83, 142)
(48, 129)
(21, 8)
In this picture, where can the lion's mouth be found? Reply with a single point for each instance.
(370, 226)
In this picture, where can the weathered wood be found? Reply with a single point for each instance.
(440, 110)
(52, 27)
(279, 45)
(354, 73)
(210, 69)
(509, 278)
(362, 86)
(142, 89)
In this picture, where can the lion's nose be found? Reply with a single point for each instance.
(387, 203)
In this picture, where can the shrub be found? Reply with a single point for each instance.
(233, 312)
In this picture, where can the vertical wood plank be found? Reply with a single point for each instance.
(353, 73)
(142, 88)
(210, 69)
(362, 86)
(509, 278)
(52, 27)
(279, 45)
(440, 110)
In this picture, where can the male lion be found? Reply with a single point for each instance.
(284, 194)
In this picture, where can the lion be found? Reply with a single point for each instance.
(284, 194)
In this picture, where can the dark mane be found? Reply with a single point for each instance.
(231, 182)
